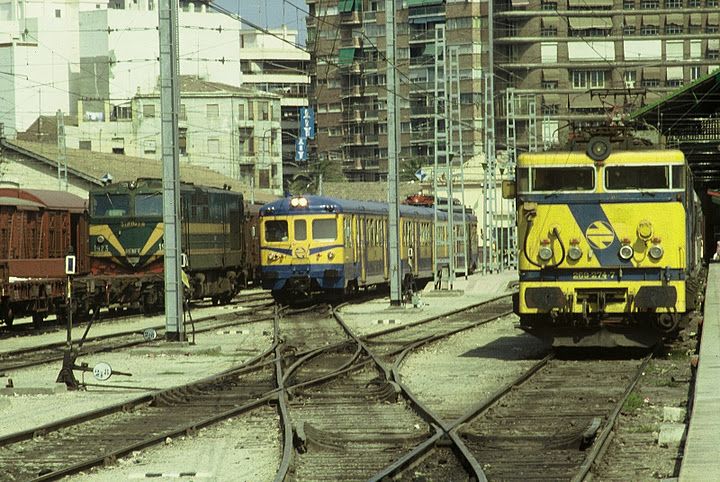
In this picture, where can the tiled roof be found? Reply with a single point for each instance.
(366, 191)
(94, 165)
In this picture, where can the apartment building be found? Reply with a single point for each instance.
(563, 53)
(349, 84)
(272, 62)
(232, 130)
(555, 56)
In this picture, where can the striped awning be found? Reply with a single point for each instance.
(713, 19)
(651, 20)
(587, 23)
(651, 73)
(675, 19)
(695, 19)
(551, 74)
(346, 56)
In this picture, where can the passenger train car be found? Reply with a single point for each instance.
(127, 244)
(320, 245)
(610, 244)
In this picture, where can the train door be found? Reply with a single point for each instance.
(384, 247)
(415, 247)
(299, 241)
(361, 246)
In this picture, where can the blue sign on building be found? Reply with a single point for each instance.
(301, 149)
(307, 122)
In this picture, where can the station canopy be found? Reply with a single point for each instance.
(689, 119)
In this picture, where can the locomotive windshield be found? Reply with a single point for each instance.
(111, 205)
(276, 231)
(637, 177)
(563, 179)
(149, 204)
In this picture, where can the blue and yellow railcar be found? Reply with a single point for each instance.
(315, 244)
(609, 245)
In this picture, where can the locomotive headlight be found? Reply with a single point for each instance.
(545, 253)
(100, 239)
(656, 252)
(331, 255)
(299, 202)
(574, 253)
(626, 252)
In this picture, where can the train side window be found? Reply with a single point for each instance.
(678, 177)
(324, 229)
(276, 231)
(347, 233)
(300, 230)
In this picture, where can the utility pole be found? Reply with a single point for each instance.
(62, 152)
(170, 108)
(393, 131)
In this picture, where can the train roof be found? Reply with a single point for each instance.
(323, 204)
(144, 184)
(561, 158)
(42, 198)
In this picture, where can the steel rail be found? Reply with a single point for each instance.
(603, 438)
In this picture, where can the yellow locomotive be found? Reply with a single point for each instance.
(610, 244)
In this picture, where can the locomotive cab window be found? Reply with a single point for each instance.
(563, 178)
(149, 204)
(324, 229)
(637, 177)
(276, 231)
(111, 205)
(300, 230)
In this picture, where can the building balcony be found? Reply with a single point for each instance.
(372, 139)
(354, 140)
(352, 91)
(350, 18)
(353, 116)
(422, 111)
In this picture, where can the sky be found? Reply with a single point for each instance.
(271, 13)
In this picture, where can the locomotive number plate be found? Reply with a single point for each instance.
(593, 275)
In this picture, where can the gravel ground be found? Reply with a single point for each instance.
(454, 374)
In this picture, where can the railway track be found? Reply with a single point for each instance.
(51, 352)
(72, 445)
(344, 413)
(30, 329)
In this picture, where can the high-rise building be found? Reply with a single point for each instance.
(349, 85)
(564, 53)
(555, 57)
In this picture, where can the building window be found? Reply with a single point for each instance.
(550, 84)
(650, 83)
(649, 4)
(649, 30)
(149, 110)
(118, 145)
(712, 3)
(264, 111)
(183, 112)
(213, 146)
(673, 29)
(182, 141)
(588, 79)
(630, 78)
(548, 5)
(149, 147)
(629, 5)
(213, 110)
(548, 32)
(550, 109)
(673, 3)
(694, 72)
(121, 112)
(251, 110)
(629, 30)
(694, 3)
(85, 145)
(58, 13)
